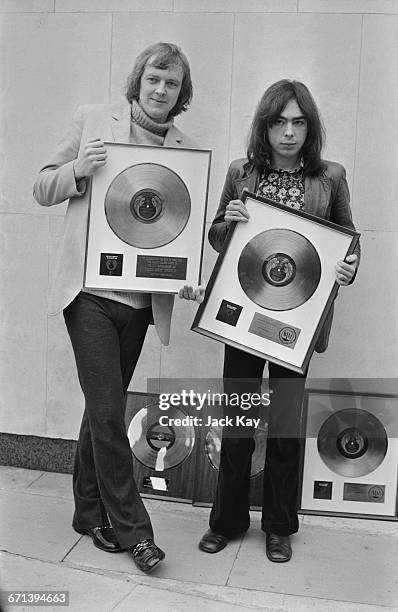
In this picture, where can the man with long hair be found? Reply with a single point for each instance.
(107, 328)
(283, 164)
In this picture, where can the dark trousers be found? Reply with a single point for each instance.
(243, 373)
(107, 338)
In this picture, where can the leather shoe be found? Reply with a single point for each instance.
(146, 555)
(103, 538)
(278, 548)
(212, 542)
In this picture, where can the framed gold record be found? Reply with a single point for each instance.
(274, 283)
(158, 446)
(147, 218)
(349, 451)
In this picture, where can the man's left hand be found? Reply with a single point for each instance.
(345, 270)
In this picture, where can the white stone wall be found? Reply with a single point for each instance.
(56, 54)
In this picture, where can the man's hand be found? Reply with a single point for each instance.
(91, 157)
(236, 211)
(189, 293)
(345, 270)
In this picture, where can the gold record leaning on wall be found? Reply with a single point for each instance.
(352, 442)
(213, 448)
(156, 446)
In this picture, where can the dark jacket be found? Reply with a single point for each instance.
(326, 196)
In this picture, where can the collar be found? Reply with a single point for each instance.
(139, 116)
(268, 166)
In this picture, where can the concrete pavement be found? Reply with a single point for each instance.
(338, 564)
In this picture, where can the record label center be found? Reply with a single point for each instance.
(147, 205)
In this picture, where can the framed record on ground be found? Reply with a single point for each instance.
(208, 449)
(163, 448)
(274, 282)
(350, 455)
(147, 218)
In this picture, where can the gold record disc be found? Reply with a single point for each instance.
(352, 442)
(147, 205)
(160, 447)
(213, 448)
(279, 269)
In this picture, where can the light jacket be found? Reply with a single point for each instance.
(326, 196)
(56, 183)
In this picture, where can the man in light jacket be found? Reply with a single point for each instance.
(107, 328)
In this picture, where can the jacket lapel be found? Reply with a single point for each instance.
(317, 195)
(173, 138)
(120, 122)
(248, 182)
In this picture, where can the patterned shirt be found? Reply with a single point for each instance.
(283, 186)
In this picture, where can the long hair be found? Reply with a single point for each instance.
(270, 107)
(161, 55)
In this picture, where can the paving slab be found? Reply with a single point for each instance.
(370, 527)
(35, 526)
(50, 484)
(327, 564)
(88, 592)
(339, 564)
(257, 599)
(177, 533)
(17, 479)
(146, 599)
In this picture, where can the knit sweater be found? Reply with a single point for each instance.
(143, 130)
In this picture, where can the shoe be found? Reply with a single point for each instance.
(212, 542)
(146, 555)
(103, 538)
(278, 548)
